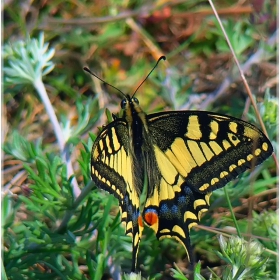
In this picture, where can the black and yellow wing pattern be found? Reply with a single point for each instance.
(185, 155)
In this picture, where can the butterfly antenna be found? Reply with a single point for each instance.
(87, 70)
(162, 57)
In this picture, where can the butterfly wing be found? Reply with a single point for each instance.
(196, 152)
(111, 170)
(207, 149)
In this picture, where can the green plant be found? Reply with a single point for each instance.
(39, 242)
(244, 259)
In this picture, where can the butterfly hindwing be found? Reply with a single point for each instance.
(173, 208)
(111, 165)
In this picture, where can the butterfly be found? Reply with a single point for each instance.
(174, 160)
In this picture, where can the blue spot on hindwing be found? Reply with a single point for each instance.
(129, 210)
(164, 208)
(165, 211)
(126, 200)
(174, 209)
(188, 190)
(134, 217)
(189, 195)
(181, 201)
(150, 210)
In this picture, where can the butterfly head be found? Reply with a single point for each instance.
(130, 105)
(129, 101)
(132, 102)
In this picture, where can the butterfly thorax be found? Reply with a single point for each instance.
(141, 146)
(136, 120)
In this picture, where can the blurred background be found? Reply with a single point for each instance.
(52, 109)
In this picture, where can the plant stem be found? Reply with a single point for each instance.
(232, 213)
(64, 150)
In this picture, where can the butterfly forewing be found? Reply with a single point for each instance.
(208, 150)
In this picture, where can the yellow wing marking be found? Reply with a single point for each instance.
(250, 157)
(180, 157)
(198, 202)
(165, 191)
(189, 215)
(165, 230)
(124, 214)
(136, 238)
(215, 147)
(116, 142)
(125, 165)
(214, 129)
(185, 158)
(232, 167)
(112, 161)
(100, 145)
(192, 225)
(223, 174)
(121, 163)
(199, 214)
(220, 118)
(234, 140)
(95, 153)
(265, 146)
(233, 127)
(167, 169)
(251, 133)
(241, 161)
(206, 151)
(154, 200)
(204, 187)
(207, 198)
(214, 181)
(106, 160)
(108, 145)
(179, 230)
(193, 130)
(226, 144)
(257, 152)
(129, 225)
(196, 152)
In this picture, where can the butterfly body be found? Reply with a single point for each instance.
(182, 156)
(140, 146)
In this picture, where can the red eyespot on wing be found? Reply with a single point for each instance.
(151, 217)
